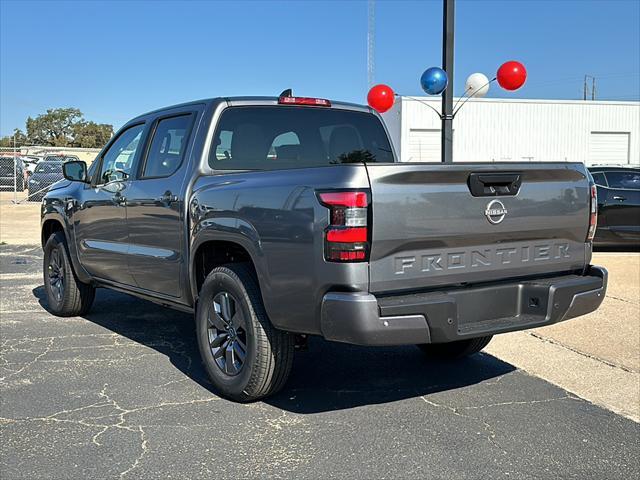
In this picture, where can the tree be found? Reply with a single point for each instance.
(61, 127)
(54, 128)
(20, 139)
(91, 134)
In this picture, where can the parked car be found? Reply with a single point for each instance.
(275, 218)
(60, 158)
(30, 163)
(618, 205)
(12, 173)
(45, 175)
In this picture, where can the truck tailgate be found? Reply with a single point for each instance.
(429, 230)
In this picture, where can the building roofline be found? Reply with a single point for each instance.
(418, 98)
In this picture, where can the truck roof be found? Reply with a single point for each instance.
(250, 100)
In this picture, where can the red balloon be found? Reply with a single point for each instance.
(380, 98)
(511, 75)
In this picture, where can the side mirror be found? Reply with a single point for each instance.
(76, 171)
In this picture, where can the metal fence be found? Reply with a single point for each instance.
(27, 172)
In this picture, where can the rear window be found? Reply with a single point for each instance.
(624, 180)
(271, 138)
(599, 178)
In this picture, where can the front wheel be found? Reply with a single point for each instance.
(66, 295)
(455, 350)
(245, 356)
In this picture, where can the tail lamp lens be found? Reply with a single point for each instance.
(312, 102)
(346, 238)
(593, 213)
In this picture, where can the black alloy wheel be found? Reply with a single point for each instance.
(226, 330)
(55, 271)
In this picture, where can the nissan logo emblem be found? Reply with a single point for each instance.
(495, 212)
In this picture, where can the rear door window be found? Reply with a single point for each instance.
(280, 137)
(628, 180)
(167, 147)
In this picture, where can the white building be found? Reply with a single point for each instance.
(491, 129)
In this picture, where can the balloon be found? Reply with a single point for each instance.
(381, 98)
(511, 75)
(434, 80)
(477, 85)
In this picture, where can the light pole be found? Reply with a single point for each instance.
(448, 7)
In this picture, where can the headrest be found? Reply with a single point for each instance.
(288, 152)
(343, 140)
(248, 143)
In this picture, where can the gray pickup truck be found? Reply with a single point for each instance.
(276, 218)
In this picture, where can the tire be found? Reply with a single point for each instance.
(20, 185)
(233, 291)
(66, 295)
(455, 350)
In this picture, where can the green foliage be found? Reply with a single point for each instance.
(61, 127)
(91, 134)
(20, 139)
(54, 128)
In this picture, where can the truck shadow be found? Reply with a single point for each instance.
(327, 376)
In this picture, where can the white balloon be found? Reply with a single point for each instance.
(477, 85)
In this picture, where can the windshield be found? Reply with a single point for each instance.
(269, 138)
(49, 167)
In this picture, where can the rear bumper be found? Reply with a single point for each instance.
(457, 314)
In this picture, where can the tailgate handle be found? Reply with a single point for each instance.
(494, 184)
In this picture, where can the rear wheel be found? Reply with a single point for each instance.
(66, 295)
(455, 350)
(246, 357)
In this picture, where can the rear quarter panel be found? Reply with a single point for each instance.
(276, 217)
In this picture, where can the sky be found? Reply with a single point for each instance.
(116, 59)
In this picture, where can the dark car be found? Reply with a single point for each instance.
(61, 158)
(45, 175)
(12, 176)
(618, 205)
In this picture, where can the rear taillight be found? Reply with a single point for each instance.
(593, 213)
(347, 237)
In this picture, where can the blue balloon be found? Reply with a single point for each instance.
(434, 80)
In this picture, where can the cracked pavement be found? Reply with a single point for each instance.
(121, 394)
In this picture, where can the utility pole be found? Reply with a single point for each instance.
(371, 39)
(448, 7)
(586, 87)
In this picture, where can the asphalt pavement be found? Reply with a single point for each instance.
(121, 393)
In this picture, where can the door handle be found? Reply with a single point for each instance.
(168, 198)
(619, 197)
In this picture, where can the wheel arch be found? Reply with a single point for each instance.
(53, 222)
(211, 251)
(49, 227)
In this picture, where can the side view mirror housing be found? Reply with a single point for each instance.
(75, 170)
